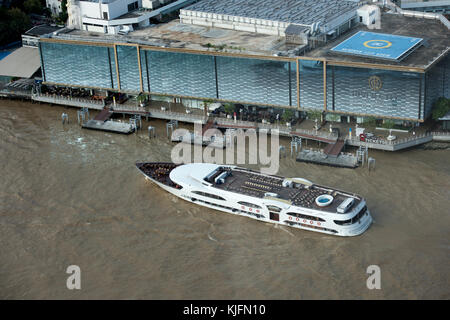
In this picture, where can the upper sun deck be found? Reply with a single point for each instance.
(296, 192)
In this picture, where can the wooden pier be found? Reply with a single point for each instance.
(225, 123)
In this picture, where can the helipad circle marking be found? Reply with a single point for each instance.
(377, 44)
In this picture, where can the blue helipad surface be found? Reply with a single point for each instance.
(377, 45)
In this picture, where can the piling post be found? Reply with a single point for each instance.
(64, 118)
(170, 126)
(151, 132)
(371, 163)
(81, 117)
(282, 149)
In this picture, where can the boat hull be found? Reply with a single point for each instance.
(355, 230)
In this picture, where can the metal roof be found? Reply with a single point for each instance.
(41, 30)
(22, 63)
(295, 29)
(304, 12)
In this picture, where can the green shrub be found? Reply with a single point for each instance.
(313, 115)
(370, 121)
(388, 124)
(229, 108)
(440, 108)
(287, 115)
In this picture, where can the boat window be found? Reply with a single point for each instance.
(304, 216)
(248, 204)
(209, 195)
(343, 222)
(309, 226)
(211, 204)
(274, 208)
(353, 220)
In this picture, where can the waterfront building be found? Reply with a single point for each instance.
(394, 72)
(442, 6)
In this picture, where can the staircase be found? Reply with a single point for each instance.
(333, 150)
(207, 126)
(103, 115)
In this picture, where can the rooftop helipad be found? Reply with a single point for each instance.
(378, 45)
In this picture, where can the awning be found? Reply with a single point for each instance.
(22, 63)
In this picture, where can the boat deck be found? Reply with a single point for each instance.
(158, 171)
(254, 184)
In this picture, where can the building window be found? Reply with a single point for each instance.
(105, 15)
(360, 19)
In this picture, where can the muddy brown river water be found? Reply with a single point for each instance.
(70, 196)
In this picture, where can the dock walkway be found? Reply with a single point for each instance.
(109, 126)
(103, 115)
(333, 150)
(224, 123)
(69, 101)
(317, 157)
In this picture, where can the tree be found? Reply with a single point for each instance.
(229, 108)
(13, 23)
(33, 6)
(370, 121)
(206, 104)
(313, 115)
(63, 16)
(287, 115)
(440, 108)
(388, 124)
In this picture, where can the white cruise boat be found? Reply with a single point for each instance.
(294, 202)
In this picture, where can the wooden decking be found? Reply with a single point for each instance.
(159, 171)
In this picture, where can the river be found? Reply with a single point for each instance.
(70, 196)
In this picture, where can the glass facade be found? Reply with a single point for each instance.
(374, 92)
(247, 80)
(191, 75)
(437, 84)
(255, 81)
(311, 84)
(127, 59)
(80, 65)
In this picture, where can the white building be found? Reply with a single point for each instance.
(273, 16)
(117, 16)
(370, 15)
(54, 6)
(438, 6)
